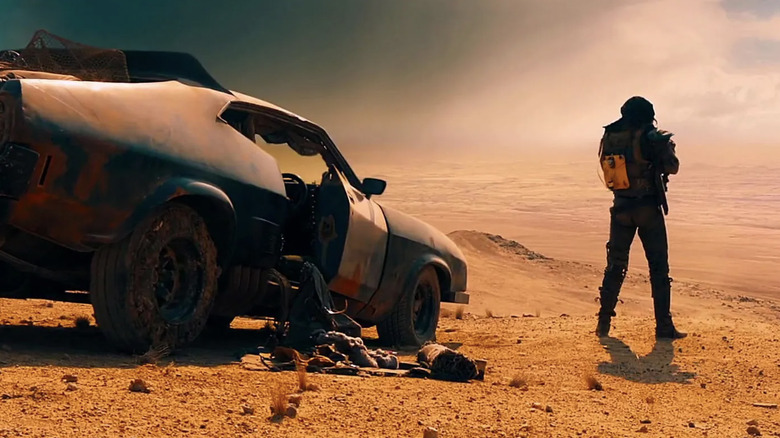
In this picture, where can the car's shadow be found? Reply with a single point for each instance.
(655, 367)
(30, 345)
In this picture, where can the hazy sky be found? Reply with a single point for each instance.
(453, 73)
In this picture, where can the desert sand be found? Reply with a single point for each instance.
(531, 318)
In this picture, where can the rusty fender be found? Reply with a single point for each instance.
(106, 154)
(412, 245)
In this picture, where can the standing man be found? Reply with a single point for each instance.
(636, 159)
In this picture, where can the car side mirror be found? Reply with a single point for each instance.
(374, 186)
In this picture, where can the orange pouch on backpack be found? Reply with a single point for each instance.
(615, 175)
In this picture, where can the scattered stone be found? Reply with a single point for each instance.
(295, 399)
(514, 316)
(643, 429)
(139, 385)
(430, 433)
(645, 421)
(752, 423)
(691, 424)
(70, 378)
(71, 387)
(292, 411)
(565, 315)
(703, 386)
(519, 341)
(313, 387)
(548, 409)
(753, 431)
(766, 405)
(528, 315)
(247, 410)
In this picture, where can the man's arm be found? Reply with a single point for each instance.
(669, 160)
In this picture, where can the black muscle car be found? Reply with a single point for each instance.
(137, 177)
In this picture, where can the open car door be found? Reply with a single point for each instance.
(351, 241)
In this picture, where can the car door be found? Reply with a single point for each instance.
(351, 241)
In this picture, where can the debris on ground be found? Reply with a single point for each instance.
(139, 385)
(446, 363)
(765, 405)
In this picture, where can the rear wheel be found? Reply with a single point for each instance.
(157, 286)
(13, 283)
(413, 320)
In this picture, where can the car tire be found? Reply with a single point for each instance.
(157, 286)
(219, 323)
(414, 319)
(14, 283)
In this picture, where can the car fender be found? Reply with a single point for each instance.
(197, 194)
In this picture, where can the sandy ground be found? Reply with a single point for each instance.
(704, 385)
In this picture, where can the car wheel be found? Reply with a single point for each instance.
(218, 323)
(157, 286)
(413, 320)
(13, 283)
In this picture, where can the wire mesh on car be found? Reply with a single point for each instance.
(50, 53)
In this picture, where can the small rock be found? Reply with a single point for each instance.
(514, 316)
(752, 423)
(295, 399)
(247, 410)
(691, 424)
(70, 378)
(292, 411)
(548, 409)
(753, 431)
(645, 421)
(528, 315)
(643, 429)
(519, 341)
(71, 387)
(313, 387)
(430, 433)
(139, 385)
(537, 406)
(703, 386)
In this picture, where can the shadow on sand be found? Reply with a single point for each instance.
(29, 345)
(655, 367)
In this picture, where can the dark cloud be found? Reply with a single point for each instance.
(752, 52)
(762, 9)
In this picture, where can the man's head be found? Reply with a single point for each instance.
(638, 111)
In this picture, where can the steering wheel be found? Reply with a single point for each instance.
(299, 191)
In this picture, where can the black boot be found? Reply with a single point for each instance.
(608, 296)
(603, 326)
(662, 300)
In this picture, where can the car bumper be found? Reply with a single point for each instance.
(456, 297)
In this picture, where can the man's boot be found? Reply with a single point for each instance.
(609, 291)
(662, 300)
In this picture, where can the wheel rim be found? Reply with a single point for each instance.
(11, 280)
(423, 309)
(179, 284)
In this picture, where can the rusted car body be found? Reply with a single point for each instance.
(88, 169)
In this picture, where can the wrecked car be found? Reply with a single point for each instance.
(134, 181)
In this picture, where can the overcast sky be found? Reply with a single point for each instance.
(455, 73)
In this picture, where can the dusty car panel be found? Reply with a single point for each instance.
(412, 245)
(97, 136)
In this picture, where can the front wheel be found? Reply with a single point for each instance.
(413, 320)
(157, 286)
